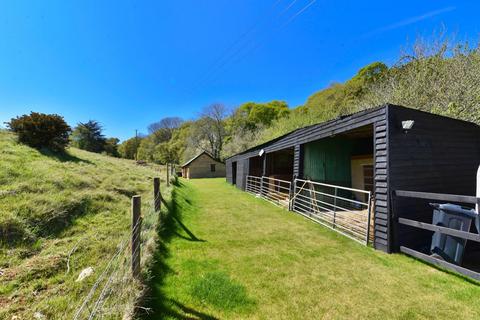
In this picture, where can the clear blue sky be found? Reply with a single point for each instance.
(130, 63)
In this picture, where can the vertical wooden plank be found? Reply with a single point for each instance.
(157, 197)
(136, 229)
(264, 165)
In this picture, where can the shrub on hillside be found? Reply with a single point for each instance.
(88, 136)
(41, 130)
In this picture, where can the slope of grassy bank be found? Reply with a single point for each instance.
(59, 213)
(228, 255)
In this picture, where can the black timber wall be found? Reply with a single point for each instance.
(381, 204)
(319, 131)
(298, 161)
(297, 138)
(228, 168)
(438, 155)
(242, 170)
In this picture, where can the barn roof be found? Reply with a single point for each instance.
(341, 123)
(197, 156)
(307, 128)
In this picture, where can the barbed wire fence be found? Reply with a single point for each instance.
(118, 286)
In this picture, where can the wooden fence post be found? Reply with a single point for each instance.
(136, 230)
(157, 196)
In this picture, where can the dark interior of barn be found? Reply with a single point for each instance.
(280, 164)
(255, 166)
(344, 159)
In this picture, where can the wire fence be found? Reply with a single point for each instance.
(118, 284)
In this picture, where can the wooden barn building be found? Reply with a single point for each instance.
(203, 165)
(358, 174)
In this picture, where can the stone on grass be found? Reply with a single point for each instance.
(38, 316)
(84, 274)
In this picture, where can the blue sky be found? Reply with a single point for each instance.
(130, 63)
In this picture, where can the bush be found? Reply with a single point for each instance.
(41, 130)
(88, 136)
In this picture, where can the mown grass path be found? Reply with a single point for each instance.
(227, 255)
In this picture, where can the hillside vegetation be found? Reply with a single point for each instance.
(60, 212)
(436, 74)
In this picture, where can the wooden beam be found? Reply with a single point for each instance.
(437, 196)
(444, 230)
(136, 231)
(157, 196)
(440, 263)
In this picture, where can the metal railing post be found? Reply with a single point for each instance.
(368, 218)
(261, 186)
(335, 208)
(291, 193)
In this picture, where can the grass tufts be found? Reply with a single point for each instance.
(64, 212)
(217, 289)
(220, 244)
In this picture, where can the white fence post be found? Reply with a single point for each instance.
(478, 192)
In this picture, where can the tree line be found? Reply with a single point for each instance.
(438, 75)
(216, 131)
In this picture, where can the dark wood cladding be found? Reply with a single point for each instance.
(380, 195)
(439, 155)
(242, 172)
(297, 160)
(228, 166)
(318, 131)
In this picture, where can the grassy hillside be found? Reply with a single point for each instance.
(56, 209)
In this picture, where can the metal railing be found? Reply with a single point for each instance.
(345, 210)
(335, 207)
(254, 185)
(276, 191)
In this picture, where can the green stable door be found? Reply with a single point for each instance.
(328, 161)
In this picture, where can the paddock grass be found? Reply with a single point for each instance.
(225, 254)
(58, 215)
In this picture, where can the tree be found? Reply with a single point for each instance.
(41, 130)
(208, 132)
(88, 136)
(128, 148)
(251, 115)
(179, 142)
(111, 147)
(248, 121)
(165, 127)
(437, 75)
(146, 148)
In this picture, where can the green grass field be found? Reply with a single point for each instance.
(225, 254)
(53, 207)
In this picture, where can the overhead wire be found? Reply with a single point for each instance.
(238, 46)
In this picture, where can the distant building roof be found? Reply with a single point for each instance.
(198, 155)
